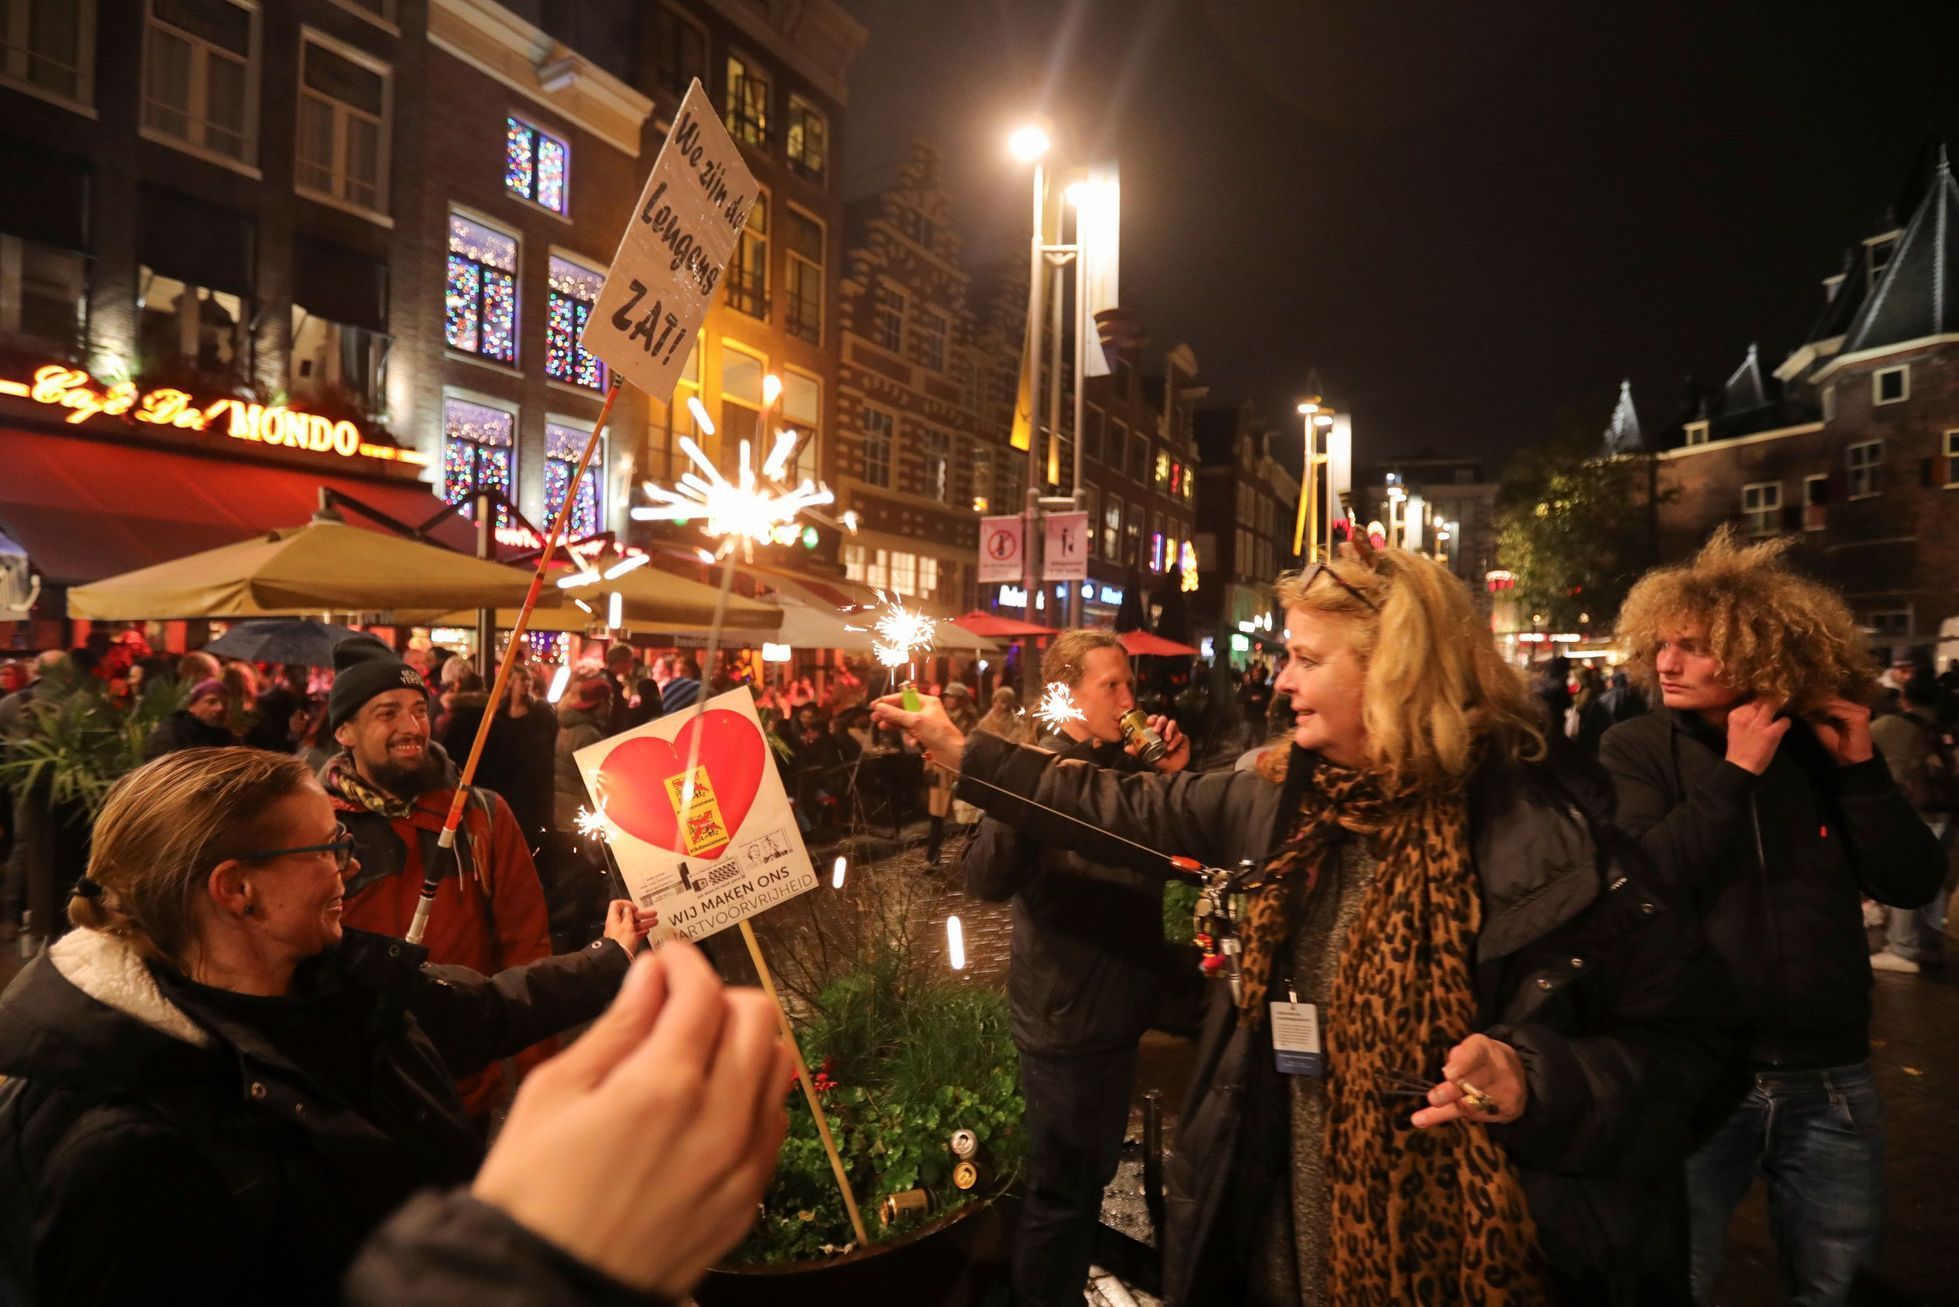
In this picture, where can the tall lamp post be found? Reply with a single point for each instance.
(1315, 415)
(1030, 144)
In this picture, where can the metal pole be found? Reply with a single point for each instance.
(1030, 674)
(1075, 602)
(1311, 488)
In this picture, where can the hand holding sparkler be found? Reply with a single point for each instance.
(928, 724)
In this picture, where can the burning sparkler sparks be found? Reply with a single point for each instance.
(752, 509)
(1057, 707)
(594, 825)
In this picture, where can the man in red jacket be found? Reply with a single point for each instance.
(392, 787)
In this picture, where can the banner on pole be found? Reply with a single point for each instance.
(674, 250)
(1098, 233)
(1002, 551)
(1065, 557)
(709, 850)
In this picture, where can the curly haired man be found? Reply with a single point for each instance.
(1757, 791)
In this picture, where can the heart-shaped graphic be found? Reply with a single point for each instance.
(632, 780)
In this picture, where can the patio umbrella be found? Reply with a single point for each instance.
(994, 626)
(281, 640)
(1138, 643)
(651, 602)
(323, 566)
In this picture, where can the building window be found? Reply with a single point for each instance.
(1092, 426)
(1697, 433)
(200, 76)
(1865, 463)
(928, 575)
(49, 46)
(1761, 507)
(983, 479)
(748, 267)
(343, 127)
(904, 572)
(563, 445)
(936, 449)
(43, 293)
(802, 408)
(741, 397)
(1892, 385)
(195, 324)
(888, 317)
(867, 566)
(877, 448)
(536, 165)
(1878, 253)
(335, 365)
(1951, 452)
(1190, 485)
(1092, 505)
(1894, 624)
(1816, 499)
(748, 102)
(928, 339)
(680, 47)
(808, 139)
(1139, 459)
(574, 289)
(481, 313)
(803, 237)
(478, 452)
(1162, 471)
(673, 420)
(1132, 535)
(384, 10)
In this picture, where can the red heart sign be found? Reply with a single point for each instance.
(632, 781)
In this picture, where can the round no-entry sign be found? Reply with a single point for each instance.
(1003, 545)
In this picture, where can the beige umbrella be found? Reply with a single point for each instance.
(651, 601)
(323, 566)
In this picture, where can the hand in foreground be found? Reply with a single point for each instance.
(1754, 733)
(644, 1147)
(1482, 1066)
(626, 924)
(1845, 730)
(929, 726)
(1176, 745)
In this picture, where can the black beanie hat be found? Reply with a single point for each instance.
(362, 668)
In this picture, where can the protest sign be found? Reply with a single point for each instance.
(707, 854)
(676, 245)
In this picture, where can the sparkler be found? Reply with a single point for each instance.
(594, 825)
(901, 633)
(955, 939)
(1057, 707)
(754, 508)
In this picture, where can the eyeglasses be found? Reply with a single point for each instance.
(341, 846)
(1319, 568)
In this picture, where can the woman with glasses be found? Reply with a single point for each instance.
(1465, 1037)
(212, 1088)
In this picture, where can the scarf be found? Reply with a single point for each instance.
(1416, 1216)
(344, 781)
(343, 778)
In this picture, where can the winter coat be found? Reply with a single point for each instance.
(1583, 965)
(1087, 953)
(518, 759)
(1775, 865)
(152, 1145)
(577, 728)
(489, 917)
(180, 730)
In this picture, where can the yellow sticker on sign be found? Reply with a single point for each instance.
(697, 811)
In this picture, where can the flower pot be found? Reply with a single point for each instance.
(955, 1261)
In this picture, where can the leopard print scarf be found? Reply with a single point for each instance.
(1417, 1216)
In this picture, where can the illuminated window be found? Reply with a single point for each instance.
(802, 408)
(928, 339)
(1132, 534)
(337, 365)
(481, 314)
(904, 572)
(741, 397)
(1112, 528)
(343, 125)
(1761, 507)
(877, 447)
(536, 165)
(563, 445)
(1951, 452)
(669, 422)
(478, 452)
(180, 321)
(1162, 471)
(803, 237)
(1176, 478)
(936, 449)
(888, 317)
(1865, 463)
(200, 75)
(748, 102)
(574, 289)
(928, 575)
(43, 293)
(748, 267)
(983, 479)
(808, 139)
(1156, 551)
(680, 49)
(49, 46)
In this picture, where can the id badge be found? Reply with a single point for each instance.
(1296, 1039)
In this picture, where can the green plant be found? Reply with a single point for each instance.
(75, 740)
(1179, 901)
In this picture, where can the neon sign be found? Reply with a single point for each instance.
(60, 386)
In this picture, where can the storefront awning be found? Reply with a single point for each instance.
(85, 509)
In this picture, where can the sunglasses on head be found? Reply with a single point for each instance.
(1319, 568)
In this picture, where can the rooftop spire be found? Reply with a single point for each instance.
(1622, 435)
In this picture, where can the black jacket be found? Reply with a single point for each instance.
(182, 730)
(1583, 965)
(160, 1145)
(1775, 865)
(1088, 938)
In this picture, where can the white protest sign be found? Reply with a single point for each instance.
(676, 244)
(1066, 555)
(1002, 541)
(709, 855)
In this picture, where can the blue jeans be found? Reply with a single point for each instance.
(1814, 1136)
(1915, 933)
(1077, 1110)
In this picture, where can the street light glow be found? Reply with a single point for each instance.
(1309, 407)
(1028, 143)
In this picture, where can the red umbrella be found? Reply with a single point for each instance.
(1142, 642)
(994, 627)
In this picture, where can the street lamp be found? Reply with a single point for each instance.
(1029, 142)
(1314, 415)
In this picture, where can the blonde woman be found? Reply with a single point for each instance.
(1494, 1030)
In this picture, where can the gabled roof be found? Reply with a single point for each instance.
(1746, 390)
(1918, 295)
(1852, 284)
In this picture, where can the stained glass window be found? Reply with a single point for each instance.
(535, 164)
(478, 452)
(574, 290)
(562, 447)
(481, 316)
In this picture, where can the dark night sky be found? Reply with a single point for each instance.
(1473, 217)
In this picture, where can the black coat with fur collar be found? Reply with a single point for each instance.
(152, 1145)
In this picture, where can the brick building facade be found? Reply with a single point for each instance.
(1247, 503)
